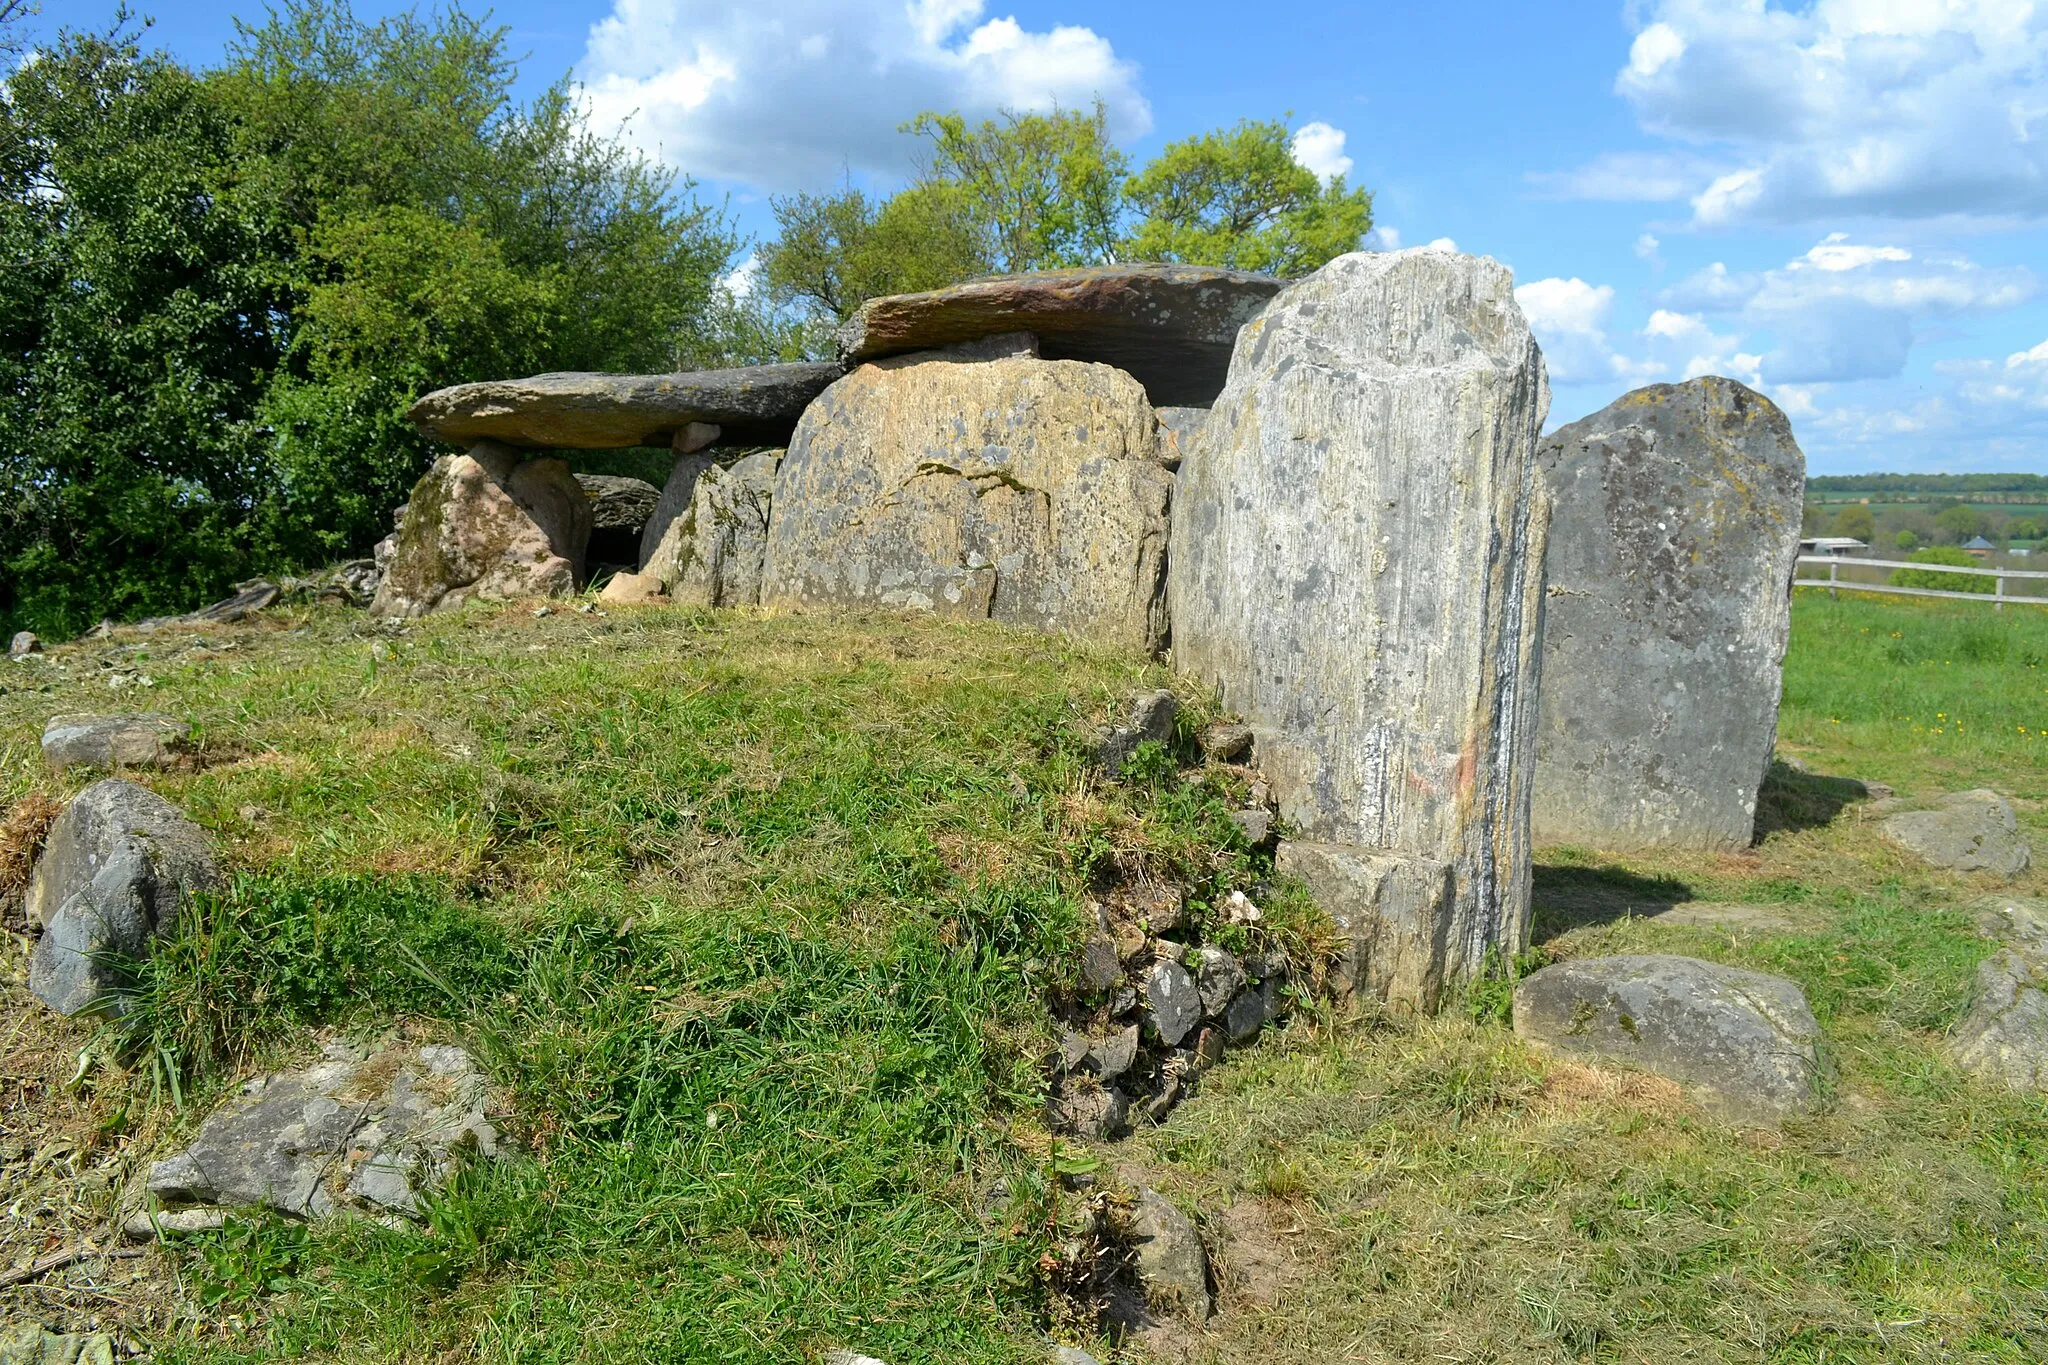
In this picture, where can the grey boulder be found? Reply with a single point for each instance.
(1746, 1040)
(1172, 326)
(353, 1132)
(713, 554)
(117, 867)
(1150, 720)
(1974, 831)
(1172, 1264)
(2004, 1036)
(756, 405)
(144, 740)
(1674, 527)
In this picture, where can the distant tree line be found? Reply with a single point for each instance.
(1931, 485)
(220, 289)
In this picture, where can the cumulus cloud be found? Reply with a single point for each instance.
(1888, 108)
(1383, 238)
(1320, 148)
(1570, 320)
(790, 95)
(1631, 178)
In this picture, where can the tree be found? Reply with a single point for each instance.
(1946, 582)
(1906, 540)
(1855, 521)
(1956, 524)
(1042, 189)
(1237, 197)
(834, 252)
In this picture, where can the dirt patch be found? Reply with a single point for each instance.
(1249, 1256)
(1568, 1086)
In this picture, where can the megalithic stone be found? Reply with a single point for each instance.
(1669, 602)
(1356, 565)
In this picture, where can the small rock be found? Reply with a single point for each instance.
(1227, 743)
(1255, 825)
(28, 1344)
(1072, 1355)
(1151, 720)
(1974, 831)
(1172, 1003)
(147, 1226)
(24, 644)
(633, 590)
(1208, 1048)
(1112, 1056)
(1171, 1262)
(1079, 1106)
(145, 740)
(1159, 907)
(1129, 939)
(849, 1358)
(1073, 1050)
(1245, 1016)
(2004, 1036)
(1748, 1040)
(1238, 909)
(1219, 976)
(1101, 965)
(1122, 1001)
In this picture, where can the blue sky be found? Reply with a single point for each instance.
(1844, 203)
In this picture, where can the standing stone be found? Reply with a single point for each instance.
(1019, 490)
(1674, 528)
(713, 555)
(676, 497)
(116, 868)
(24, 644)
(1357, 549)
(489, 526)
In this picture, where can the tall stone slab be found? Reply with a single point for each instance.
(1357, 566)
(1013, 489)
(713, 554)
(1674, 535)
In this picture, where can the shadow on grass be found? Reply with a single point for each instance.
(1570, 896)
(1791, 800)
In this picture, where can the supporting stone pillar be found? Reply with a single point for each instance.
(1357, 565)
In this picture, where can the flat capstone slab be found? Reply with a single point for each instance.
(1172, 327)
(754, 406)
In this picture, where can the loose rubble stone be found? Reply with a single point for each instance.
(715, 553)
(1385, 907)
(1101, 967)
(24, 644)
(1255, 825)
(487, 526)
(1674, 528)
(1746, 1039)
(1974, 831)
(28, 1344)
(144, 740)
(354, 1132)
(1072, 1355)
(1218, 977)
(632, 590)
(1172, 1264)
(1227, 743)
(1022, 491)
(148, 1226)
(1357, 549)
(116, 869)
(1171, 326)
(619, 510)
(1172, 1004)
(1111, 1057)
(1244, 1016)
(754, 406)
(1151, 720)
(1080, 1106)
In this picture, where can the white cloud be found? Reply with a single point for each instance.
(1889, 108)
(1440, 244)
(1569, 318)
(1383, 238)
(1631, 178)
(1320, 148)
(790, 95)
(1646, 249)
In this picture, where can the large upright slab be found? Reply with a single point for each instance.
(1020, 490)
(1172, 326)
(1357, 565)
(1675, 531)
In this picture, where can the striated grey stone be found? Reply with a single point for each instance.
(1674, 528)
(149, 1225)
(1255, 825)
(487, 526)
(1023, 491)
(757, 405)
(1172, 1264)
(1171, 326)
(678, 494)
(1387, 908)
(1219, 976)
(144, 740)
(354, 1132)
(1746, 1039)
(1356, 566)
(116, 869)
(1151, 720)
(1172, 1004)
(1974, 831)
(714, 554)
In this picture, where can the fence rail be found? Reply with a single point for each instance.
(1997, 597)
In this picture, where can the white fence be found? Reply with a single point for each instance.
(1998, 597)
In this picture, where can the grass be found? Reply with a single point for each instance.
(755, 922)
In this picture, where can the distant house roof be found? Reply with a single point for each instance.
(1978, 543)
(1832, 545)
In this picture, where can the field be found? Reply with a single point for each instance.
(754, 920)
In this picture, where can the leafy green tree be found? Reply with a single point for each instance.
(1958, 523)
(1043, 189)
(1946, 582)
(834, 252)
(1855, 520)
(1906, 540)
(1237, 197)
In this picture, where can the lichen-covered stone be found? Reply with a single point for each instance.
(1357, 548)
(116, 869)
(1747, 1040)
(487, 526)
(1019, 490)
(753, 405)
(143, 740)
(1974, 831)
(1674, 528)
(1172, 1263)
(713, 554)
